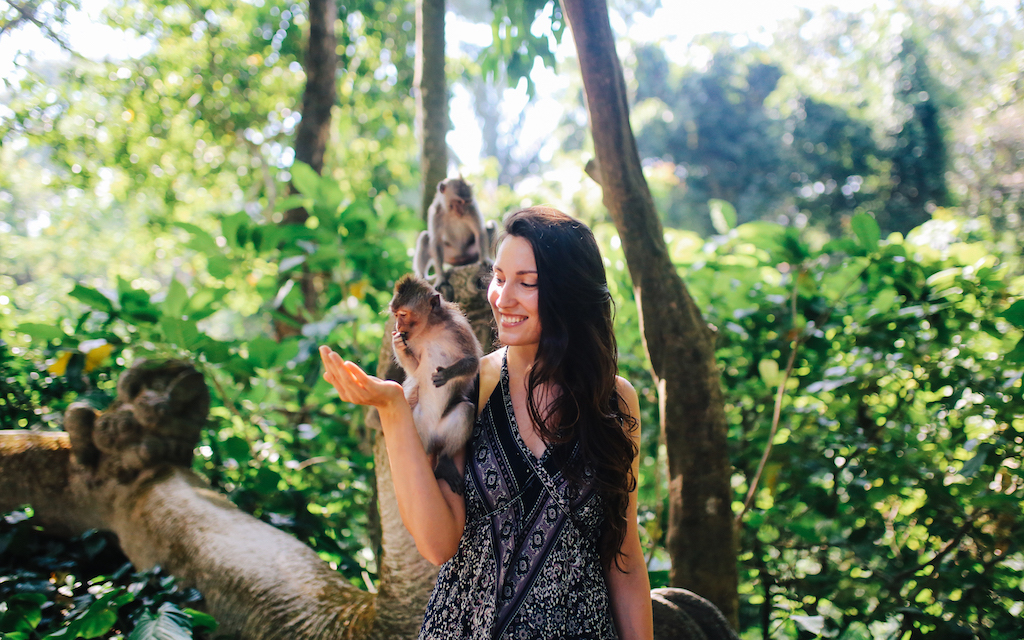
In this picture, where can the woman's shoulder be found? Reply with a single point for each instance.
(630, 398)
(490, 374)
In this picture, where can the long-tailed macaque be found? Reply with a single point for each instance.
(435, 345)
(455, 233)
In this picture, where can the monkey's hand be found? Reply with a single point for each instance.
(440, 377)
(464, 367)
(400, 344)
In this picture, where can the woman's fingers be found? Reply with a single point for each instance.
(355, 385)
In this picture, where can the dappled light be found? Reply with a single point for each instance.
(841, 194)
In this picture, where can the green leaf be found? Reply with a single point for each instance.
(237, 449)
(291, 202)
(866, 230)
(263, 351)
(169, 623)
(1016, 355)
(22, 614)
(202, 621)
(219, 266)
(723, 215)
(769, 370)
(811, 624)
(201, 240)
(233, 227)
(182, 333)
(267, 480)
(329, 196)
(1015, 314)
(305, 179)
(215, 351)
(41, 331)
(93, 298)
(973, 466)
(177, 298)
(97, 621)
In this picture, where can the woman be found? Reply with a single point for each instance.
(544, 542)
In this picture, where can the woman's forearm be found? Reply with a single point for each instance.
(434, 519)
(434, 516)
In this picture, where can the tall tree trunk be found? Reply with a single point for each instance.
(431, 96)
(679, 343)
(320, 66)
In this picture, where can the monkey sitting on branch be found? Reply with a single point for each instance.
(436, 347)
(456, 234)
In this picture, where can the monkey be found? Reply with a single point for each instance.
(455, 235)
(436, 347)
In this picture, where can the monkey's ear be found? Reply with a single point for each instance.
(440, 186)
(435, 301)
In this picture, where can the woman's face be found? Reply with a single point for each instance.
(513, 293)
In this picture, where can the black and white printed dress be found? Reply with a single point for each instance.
(527, 565)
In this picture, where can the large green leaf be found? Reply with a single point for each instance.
(41, 331)
(93, 298)
(1015, 314)
(168, 623)
(305, 179)
(177, 298)
(182, 333)
(866, 230)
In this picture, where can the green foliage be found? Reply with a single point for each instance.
(891, 498)
(516, 45)
(278, 443)
(84, 588)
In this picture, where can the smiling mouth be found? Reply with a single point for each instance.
(510, 321)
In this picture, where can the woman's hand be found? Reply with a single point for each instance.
(430, 510)
(355, 385)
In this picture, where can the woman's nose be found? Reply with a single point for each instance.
(502, 299)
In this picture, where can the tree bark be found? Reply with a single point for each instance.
(679, 343)
(320, 66)
(431, 96)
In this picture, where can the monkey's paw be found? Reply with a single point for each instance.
(440, 377)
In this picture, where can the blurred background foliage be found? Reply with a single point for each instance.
(843, 199)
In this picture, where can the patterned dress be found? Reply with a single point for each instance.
(527, 565)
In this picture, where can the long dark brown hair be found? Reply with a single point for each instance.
(578, 355)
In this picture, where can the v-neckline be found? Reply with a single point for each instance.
(506, 391)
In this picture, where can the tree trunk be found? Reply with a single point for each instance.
(431, 96)
(320, 66)
(679, 343)
(314, 130)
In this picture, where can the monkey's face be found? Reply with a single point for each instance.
(406, 321)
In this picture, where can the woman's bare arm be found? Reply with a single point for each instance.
(628, 583)
(430, 510)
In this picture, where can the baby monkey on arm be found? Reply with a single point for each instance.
(435, 346)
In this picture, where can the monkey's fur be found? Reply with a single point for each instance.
(435, 346)
(455, 235)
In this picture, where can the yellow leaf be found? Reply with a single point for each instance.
(771, 476)
(60, 365)
(358, 289)
(95, 357)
